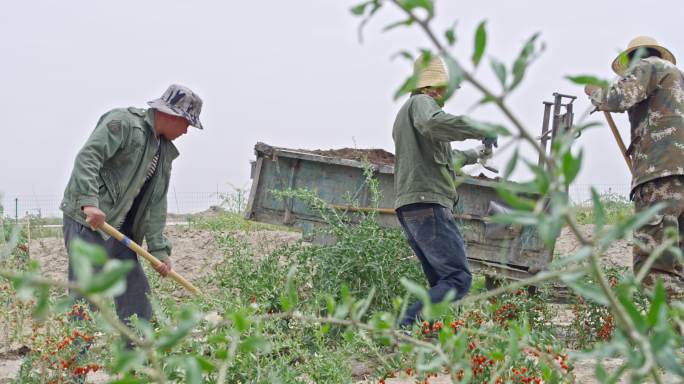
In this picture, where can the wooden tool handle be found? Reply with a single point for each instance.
(619, 141)
(391, 211)
(113, 232)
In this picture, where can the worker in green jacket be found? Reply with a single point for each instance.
(424, 173)
(122, 175)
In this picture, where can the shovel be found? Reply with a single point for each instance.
(123, 239)
(618, 139)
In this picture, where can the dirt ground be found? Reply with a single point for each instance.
(375, 156)
(196, 252)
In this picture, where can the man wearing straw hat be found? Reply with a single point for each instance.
(651, 90)
(122, 175)
(424, 182)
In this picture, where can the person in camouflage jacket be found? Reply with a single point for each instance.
(651, 90)
(121, 175)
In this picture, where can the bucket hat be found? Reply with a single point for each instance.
(180, 101)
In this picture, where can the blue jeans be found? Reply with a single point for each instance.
(437, 242)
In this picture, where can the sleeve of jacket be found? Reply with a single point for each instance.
(157, 244)
(431, 121)
(630, 89)
(463, 158)
(106, 139)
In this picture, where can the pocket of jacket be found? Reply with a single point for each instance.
(109, 185)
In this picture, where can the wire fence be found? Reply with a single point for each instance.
(47, 206)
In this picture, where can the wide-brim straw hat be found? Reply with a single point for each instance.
(620, 66)
(434, 74)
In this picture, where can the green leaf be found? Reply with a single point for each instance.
(456, 76)
(254, 343)
(549, 229)
(330, 305)
(527, 55)
(515, 201)
(82, 255)
(571, 166)
(188, 318)
(517, 217)
(480, 42)
(510, 166)
(112, 280)
(624, 294)
(241, 321)
(541, 181)
(410, 5)
(487, 128)
(289, 298)
(125, 359)
(360, 9)
(500, 72)
(42, 307)
(450, 35)
(636, 221)
(402, 23)
(600, 372)
(420, 292)
(415, 289)
(193, 373)
(408, 86)
(205, 364)
(599, 211)
(405, 54)
(588, 80)
(590, 292)
(658, 311)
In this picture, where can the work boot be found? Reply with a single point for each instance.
(674, 284)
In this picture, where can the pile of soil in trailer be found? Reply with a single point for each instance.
(374, 156)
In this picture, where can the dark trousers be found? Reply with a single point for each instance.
(437, 242)
(134, 300)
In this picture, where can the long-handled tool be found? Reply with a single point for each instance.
(618, 139)
(123, 239)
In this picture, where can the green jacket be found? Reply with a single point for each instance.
(652, 93)
(424, 166)
(110, 170)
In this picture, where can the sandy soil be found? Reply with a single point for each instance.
(195, 252)
(618, 255)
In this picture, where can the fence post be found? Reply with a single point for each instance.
(16, 210)
(2, 222)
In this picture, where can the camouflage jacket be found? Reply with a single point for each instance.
(652, 93)
(111, 169)
(425, 168)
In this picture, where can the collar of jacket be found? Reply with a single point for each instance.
(149, 120)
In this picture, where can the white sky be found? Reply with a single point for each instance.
(288, 73)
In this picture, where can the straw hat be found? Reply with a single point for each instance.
(432, 75)
(641, 42)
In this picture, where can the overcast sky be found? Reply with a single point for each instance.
(288, 73)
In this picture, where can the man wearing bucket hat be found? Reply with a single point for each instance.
(424, 182)
(122, 175)
(651, 90)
